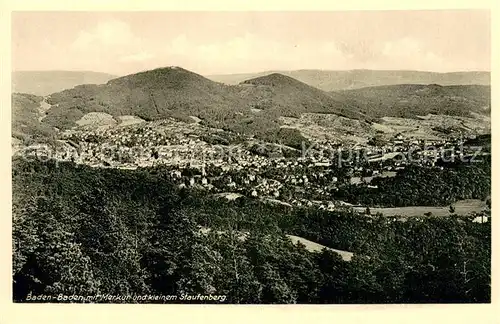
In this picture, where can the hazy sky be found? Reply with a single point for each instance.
(238, 42)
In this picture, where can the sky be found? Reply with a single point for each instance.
(207, 43)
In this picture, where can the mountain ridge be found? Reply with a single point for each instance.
(330, 80)
(255, 106)
(411, 100)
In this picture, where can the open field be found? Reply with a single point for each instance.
(127, 120)
(309, 245)
(96, 119)
(315, 247)
(463, 207)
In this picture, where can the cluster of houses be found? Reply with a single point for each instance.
(311, 179)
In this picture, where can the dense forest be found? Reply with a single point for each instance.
(411, 100)
(25, 123)
(80, 230)
(421, 186)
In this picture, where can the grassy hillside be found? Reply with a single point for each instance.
(43, 83)
(410, 100)
(353, 79)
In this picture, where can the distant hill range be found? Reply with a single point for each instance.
(42, 83)
(354, 79)
(412, 100)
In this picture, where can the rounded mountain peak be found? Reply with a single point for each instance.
(165, 76)
(273, 79)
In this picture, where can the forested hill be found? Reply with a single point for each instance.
(411, 100)
(290, 97)
(252, 107)
(85, 231)
(255, 106)
(160, 93)
(26, 118)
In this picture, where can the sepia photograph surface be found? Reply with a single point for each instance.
(204, 157)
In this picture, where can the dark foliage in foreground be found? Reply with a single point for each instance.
(79, 230)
